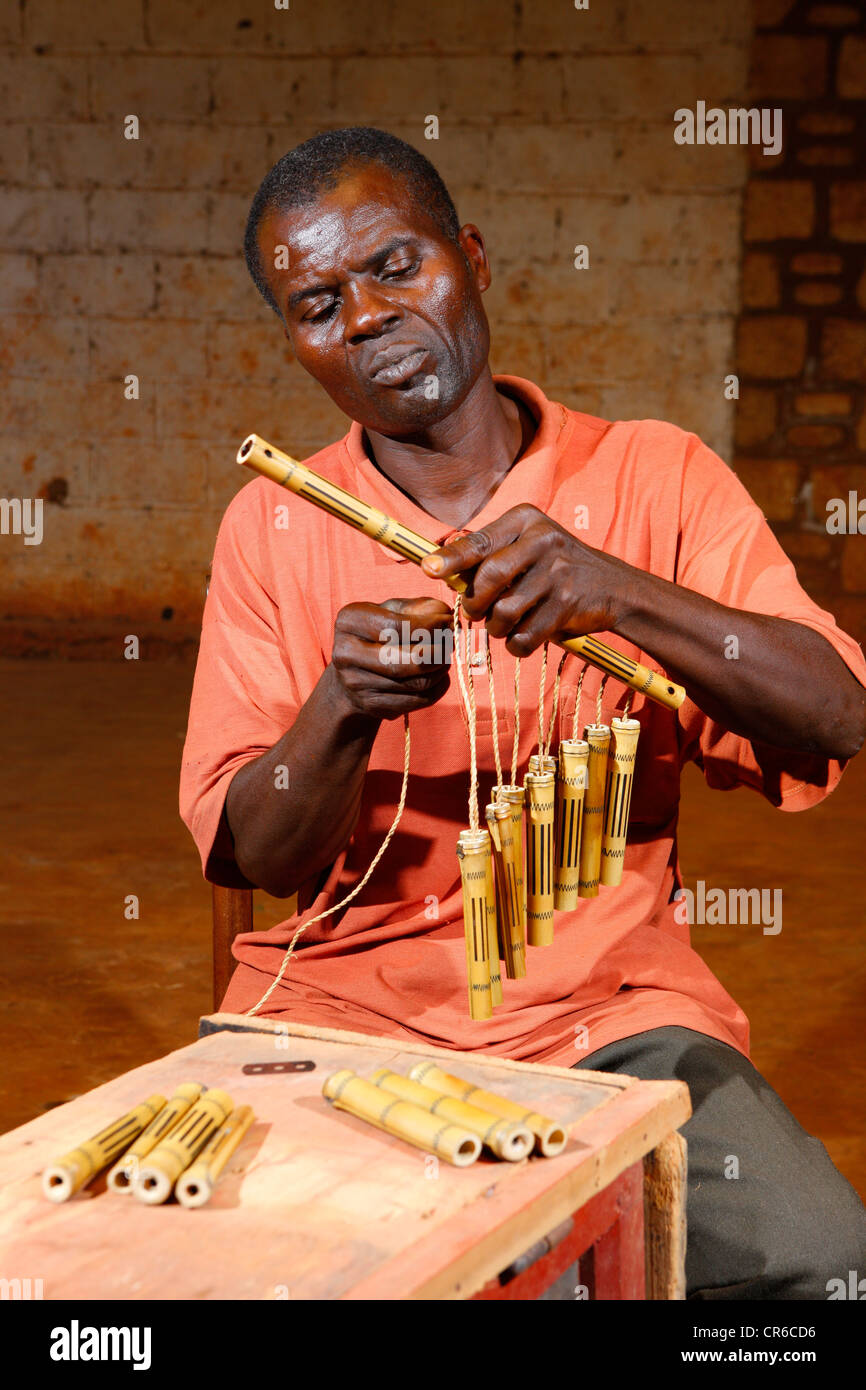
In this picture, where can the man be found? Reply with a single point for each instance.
(294, 756)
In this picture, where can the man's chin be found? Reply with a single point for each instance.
(403, 410)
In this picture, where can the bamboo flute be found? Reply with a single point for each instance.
(158, 1174)
(509, 914)
(598, 738)
(550, 1137)
(570, 793)
(400, 1118)
(620, 781)
(474, 854)
(540, 795)
(504, 1138)
(122, 1175)
(195, 1186)
(515, 797)
(264, 458)
(75, 1169)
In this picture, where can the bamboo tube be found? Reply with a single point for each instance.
(272, 463)
(474, 853)
(75, 1169)
(195, 1186)
(618, 789)
(542, 762)
(570, 792)
(512, 945)
(400, 1118)
(504, 1138)
(121, 1175)
(540, 793)
(165, 1163)
(516, 799)
(492, 927)
(550, 1137)
(598, 738)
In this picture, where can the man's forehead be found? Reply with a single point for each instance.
(349, 222)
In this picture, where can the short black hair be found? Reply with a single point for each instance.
(316, 165)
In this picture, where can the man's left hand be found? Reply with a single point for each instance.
(533, 582)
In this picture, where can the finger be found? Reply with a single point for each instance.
(465, 552)
(500, 572)
(505, 614)
(541, 624)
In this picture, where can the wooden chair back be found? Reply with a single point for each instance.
(232, 914)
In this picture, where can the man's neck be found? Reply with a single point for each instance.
(453, 469)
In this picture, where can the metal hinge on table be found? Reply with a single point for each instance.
(262, 1068)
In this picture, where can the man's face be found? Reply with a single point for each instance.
(380, 307)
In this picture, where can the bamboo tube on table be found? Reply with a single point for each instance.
(158, 1175)
(570, 793)
(550, 1137)
(618, 789)
(61, 1180)
(504, 1138)
(540, 794)
(512, 944)
(264, 458)
(474, 853)
(598, 738)
(400, 1118)
(195, 1186)
(122, 1174)
(516, 798)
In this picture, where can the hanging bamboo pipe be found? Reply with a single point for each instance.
(281, 468)
(570, 792)
(476, 878)
(620, 781)
(598, 738)
(540, 797)
(509, 906)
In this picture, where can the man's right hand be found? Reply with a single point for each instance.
(392, 659)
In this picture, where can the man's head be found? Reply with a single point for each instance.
(353, 239)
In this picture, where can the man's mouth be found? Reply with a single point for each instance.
(397, 365)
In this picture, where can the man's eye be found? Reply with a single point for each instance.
(403, 268)
(321, 315)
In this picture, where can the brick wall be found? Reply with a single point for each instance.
(122, 257)
(801, 352)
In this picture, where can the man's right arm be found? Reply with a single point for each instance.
(287, 827)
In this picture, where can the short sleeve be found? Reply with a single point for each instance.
(246, 692)
(728, 552)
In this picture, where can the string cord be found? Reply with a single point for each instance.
(599, 698)
(575, 719)
(556, 684)
(356, 890)
(467, 692)
(516, 743)
(494, 720)
(541, 691)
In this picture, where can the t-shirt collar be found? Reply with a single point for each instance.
(530, 479)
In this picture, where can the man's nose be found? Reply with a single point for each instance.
(367, 313)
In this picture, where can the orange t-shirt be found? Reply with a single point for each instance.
(393, 961)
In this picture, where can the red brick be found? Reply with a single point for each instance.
(43, 345)
(126, 473)
(806, 545)
(33, 467)
(44, 221)
(267, 91)
(831, 480)
(851, 77)
(826, 156)
(211, 412)
(817, 292)
(816, 263)
(825, 403)
(19, 285)
(248, 352)
(848, 210)
(554, 294)
(861, 291)
(771, 346)
(756, 416)
(815, 436)
(833, 16)
(850, 614)
(154, 88)
(769, 13)
(826, 123)
(41, 88)
(773, 483)
(778, 208)
(785, 67)
(208, 287)
(154, 349)
(96, 284)
(843, 350)
(100, 24)
(760, 282)
(130, 221)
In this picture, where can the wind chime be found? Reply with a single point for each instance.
(546, 843)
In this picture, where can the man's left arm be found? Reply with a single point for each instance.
(533, 582)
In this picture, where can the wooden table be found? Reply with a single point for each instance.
(316, 1205)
